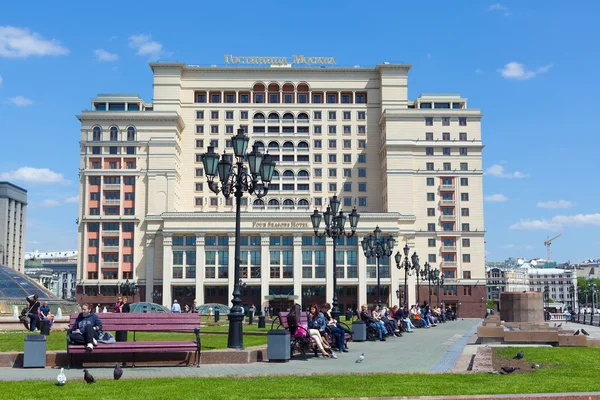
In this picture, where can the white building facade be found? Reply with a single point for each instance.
(13, 220)
(413, 168)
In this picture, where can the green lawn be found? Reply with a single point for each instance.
(13, 340)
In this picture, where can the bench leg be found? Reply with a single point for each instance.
(133, 360)
(70, 361)
(197, 359)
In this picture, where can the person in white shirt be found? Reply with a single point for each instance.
(176, 307)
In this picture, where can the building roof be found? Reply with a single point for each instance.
(50, 254)
(15, 285)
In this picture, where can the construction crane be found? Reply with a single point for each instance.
(547, 244)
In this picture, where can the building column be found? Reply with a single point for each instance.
(329, 270)
(150, 239)
(298, 266)
(361, 266)
(167, 292)
(231, 268)
(200, 262)
(264, 268)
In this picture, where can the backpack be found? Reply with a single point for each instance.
(293, 318)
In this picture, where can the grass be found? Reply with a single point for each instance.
(12, 341)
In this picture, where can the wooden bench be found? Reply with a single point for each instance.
(151, 322)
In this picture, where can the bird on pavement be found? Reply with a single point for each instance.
(61, 379)
(88, 377)
(576, 333)
(519, 355)
(535, 366)
(555, 324)
(584, 332)
(510, 370)
(361, 358)
(118, 372)
(559, 325)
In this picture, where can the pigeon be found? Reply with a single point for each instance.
(584, 332)
(559, 325)
(510, 370)
(61, 379)
(361, 358)
(535, 366)
(519, 355)
(118, 372)
(555, 325)
(576, 333)
(496, 372)
(88, 377)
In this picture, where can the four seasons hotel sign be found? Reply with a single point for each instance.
(231, 59)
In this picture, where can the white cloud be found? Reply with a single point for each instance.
(1, 80)
(34, 175)
(20, 43)
(428, 55)
(497, 7)
(498, 171)
(556, 204)
(50, 203)
(522, 246)
(104, 55)
(515, 70)
(509, 246)
(21, 101)
(558, 222)
(479, 71)
(72, 199)
(495, 198)
(145, 46)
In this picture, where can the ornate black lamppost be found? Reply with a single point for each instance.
(378, 246)
(546, 297)
(129, 289)
(399, 295)
(431, 274)
(335, 222)
(235, 180)
(439, 282)
(156, 295)
(572, 295)
(407, 267)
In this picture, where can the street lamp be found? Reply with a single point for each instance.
(572, 295)
(378, 246)
(592, 290)
(129, 289)
(235, 180)
(431, 274)
(407, 267)
(439, 282)
(546, 296)
(399, 294)
(335, 222)
(156, 295)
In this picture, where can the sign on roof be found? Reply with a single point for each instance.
(295, 59)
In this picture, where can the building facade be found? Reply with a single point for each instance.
(62, 266)
(413, 168)
(506, 280)
(13, 220)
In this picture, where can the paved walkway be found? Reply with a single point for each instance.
(435, 349)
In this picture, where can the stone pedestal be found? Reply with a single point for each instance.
(522, 307)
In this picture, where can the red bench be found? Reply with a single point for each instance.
(151, 322)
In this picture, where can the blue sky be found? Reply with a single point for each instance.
(530, 67)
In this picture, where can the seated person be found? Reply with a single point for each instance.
(316, 325)
(368, 319)
(85, 328)
(400, 317)
(390, 324)
(333, 328)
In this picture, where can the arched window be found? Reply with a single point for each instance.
(274, 117)
(114, 134)
(274, 145)
(303, 173)
(288, 202)
(288, 173)
(303, 116)
(259, 115)
(275, 174)
(273, 202)
(303, 203)
(131, 133)
(303, 145)
(258, 202)
(259, 143)
(288, 116)
(97, 133)
(288, 145)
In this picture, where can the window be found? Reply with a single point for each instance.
(333, 187)
(318, 187)
(431, 242)
(200, 97)
(199, 114)
(229, 115)
(462, 151)
(466, 258)
(214, 129)
(430, 196)
(317, 172)
(429, 166)
(331, 99)
(347, 158)
(446, 151)
(431, 212)
(464, 181)
(332, 144)
(465, 228)
(302, 99)
(362, 172)
(244, 98)
(362, 201)
(332, 158)
(462, 136)
(332, 172)
(445, 121)
(362, 144)
(347, 172)
(467, 274)
(431, 258)
(199, 128)
(447, 166)
(361, 98)
(464, 196)
(113, 150)
(428, 151)
(362, 158)
(361, 115)
(362, 129)
(317, 129)
(347, 186)
(430, 181)
(466, 242)
(431, 227)
(464, 166)
(429, 136)
(428, 121)
(317, 158)
(317, 99)
(331, 115)
(462, 121)
(332, 129)
(347, 130)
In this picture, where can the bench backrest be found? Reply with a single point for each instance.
(284, 321)
(146, 322)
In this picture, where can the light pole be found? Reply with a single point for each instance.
(440, 284)
(129, 289)
(572, 295)
(427, 273)
(378, 246)
(592, 290)
(407, 267)
(156, 295)
(546, 295)
(235, 180)
(335, 222)
(399, 295)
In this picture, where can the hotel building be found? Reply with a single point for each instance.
(13, 213)
(413, 168)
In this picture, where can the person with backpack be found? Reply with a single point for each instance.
(33, 312)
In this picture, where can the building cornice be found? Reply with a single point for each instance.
(266, 215)
(129, 116)
(418, 113)
(279, 70)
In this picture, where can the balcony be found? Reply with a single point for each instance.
(287, 121)
(447, 202)
(112, 202)
(110, 249)
(112, 186)
(303, 121)
(447, 217)
(272, 121)
(258, 121)
(110, 233)
(449, 264)
(110, 264)
(448, 248)
(447, 187)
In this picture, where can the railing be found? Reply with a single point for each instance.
(447, 187)
(445, 217)
(110, 249)
(447, 202)
(287, 121)
(302, 121)
(110, 264)
(258, 120)
(273, 121)
(110, 233)
(112, 202)
(448, 248)
(111, 186)
(449, 264)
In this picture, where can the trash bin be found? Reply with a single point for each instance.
(279, 345)
(45, 328)
(121, 336)
(360, 331)
(34, 353)
(217, 315)
(261, 321)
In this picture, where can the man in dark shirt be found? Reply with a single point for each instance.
(33, 312)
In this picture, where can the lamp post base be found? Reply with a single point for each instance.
(336, 313)
(235, 339)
